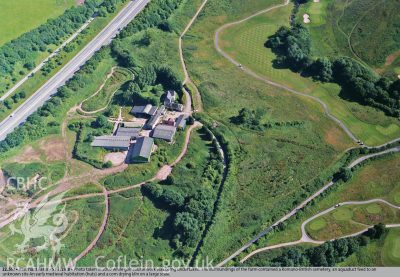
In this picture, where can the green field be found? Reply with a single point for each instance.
(102, 97)
(141, 228)
(351, 219)
(361, 29)
(272, 169)
(384, 252)
(55, 64)
(245, 42)
(84, 219)
(20, 16)
(376, 179)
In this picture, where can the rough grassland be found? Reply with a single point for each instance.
(246, 41)
(366, 30)
(276, 166)
(84, 219)
(139, 229)
(376, 179)
(20, 16)
(102, 98)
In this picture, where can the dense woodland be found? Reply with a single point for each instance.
(359, 83)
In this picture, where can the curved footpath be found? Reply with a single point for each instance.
(305, 238)
(187, 79)
(269, 82)
(326, 109)
(99, 233)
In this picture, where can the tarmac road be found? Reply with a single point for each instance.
(50, 87)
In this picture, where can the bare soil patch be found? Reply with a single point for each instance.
(391, 58)
(116, 159)
(53, 149)
(2, 180)
(28, 155)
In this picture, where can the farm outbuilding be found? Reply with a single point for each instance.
(164, 132)
(128, 132)
(112, 142)
(181, 122)
(146, 111)
(142, 149)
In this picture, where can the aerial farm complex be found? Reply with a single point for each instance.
(204, 134)
(137, 136)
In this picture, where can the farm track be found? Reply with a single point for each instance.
(305, 238)
(99, 233)
(326, 109)
(187, 79)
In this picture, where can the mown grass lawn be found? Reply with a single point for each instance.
(348, 220)
(245, 42)
(20, 16)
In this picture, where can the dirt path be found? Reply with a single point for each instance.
(187, 80)
(305, 238)
(94, 176)
(303, 204)
(99, 233)
(352, 32)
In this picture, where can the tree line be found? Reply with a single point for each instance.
(34, 128)
(190, 205)
(25, 49)
(328, 254)
(358, 83)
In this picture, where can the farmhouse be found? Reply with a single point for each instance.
(144, 111)
(164, 132)
(128, 132)
(112, 142)
(170, 101)
(155, 119)
(141, 151)
(170, 97)
(181, 122)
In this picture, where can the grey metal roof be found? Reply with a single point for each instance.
(164, 132)
(148, 109)
(143, 147)
(181, 121)
(128, 132)
(111, 141)
(155, 118)
(132, 125)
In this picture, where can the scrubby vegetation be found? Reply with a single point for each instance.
(254, 120)
(189, 193)
(359, 83)
(85, 132)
